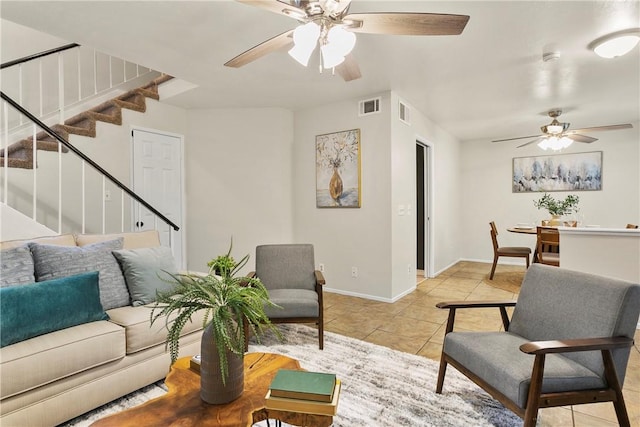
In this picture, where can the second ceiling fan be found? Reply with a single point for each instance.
(556, 135)
(329, 24)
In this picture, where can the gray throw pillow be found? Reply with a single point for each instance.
(52, 262)
(145, 271)
(16, 266)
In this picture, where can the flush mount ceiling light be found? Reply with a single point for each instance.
(616, 44)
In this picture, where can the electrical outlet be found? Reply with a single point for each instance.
(321, 267)
(354, 271)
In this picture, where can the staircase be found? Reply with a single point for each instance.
(20, 153)
(54, 190)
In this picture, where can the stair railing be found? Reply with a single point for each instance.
(35, 123)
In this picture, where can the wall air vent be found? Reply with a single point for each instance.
(404, 112)
(369, 106)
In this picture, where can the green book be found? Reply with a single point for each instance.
(303, 385)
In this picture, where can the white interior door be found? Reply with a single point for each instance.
(157, 178)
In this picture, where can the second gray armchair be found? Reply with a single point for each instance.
(288, 272)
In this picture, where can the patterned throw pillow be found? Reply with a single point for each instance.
(16, 266)
(52, 262)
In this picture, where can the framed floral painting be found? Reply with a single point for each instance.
(338, 169)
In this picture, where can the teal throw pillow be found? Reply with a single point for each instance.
(27, 311)
(145, 271)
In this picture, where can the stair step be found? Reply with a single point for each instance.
(132, 100)
(108, 112)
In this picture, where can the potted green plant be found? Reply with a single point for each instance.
(557, 208)
(230, 302)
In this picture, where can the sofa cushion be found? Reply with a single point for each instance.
(132, 240)
(496, 358)
(292, 303)
(146, 272)
(52, 262)
(42, 360)
(16, 266)
(140, 334)
(60, 240)
(39, 308)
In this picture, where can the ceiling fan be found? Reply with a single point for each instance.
(556, 135)
(329, 24)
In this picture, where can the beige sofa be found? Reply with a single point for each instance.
(52, 378)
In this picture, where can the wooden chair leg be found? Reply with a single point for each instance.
(441, 372)
(527, 261)
(612, 380)
(535, 388)
(321, 334)
(493, 267)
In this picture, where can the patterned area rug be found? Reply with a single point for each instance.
(380, 386)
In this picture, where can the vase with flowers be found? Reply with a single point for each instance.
(557, 208)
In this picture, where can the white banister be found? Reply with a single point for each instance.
(34, 161)
(122, 210)
(84, 203)
(104, 204)
(61, 87)
(40, 87)
(95, 72)
(20, 99)
(59, 188)
(79, 73)
(5, 146)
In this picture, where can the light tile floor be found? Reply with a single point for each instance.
(414, 325)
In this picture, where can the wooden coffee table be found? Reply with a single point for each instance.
(182, 406)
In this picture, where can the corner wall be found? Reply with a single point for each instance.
(375, 238)
(238, 171)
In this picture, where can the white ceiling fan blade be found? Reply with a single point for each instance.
(421, 24)
(535, 141)
(349, 69)
(600, 128)
(519, 137)
(256, 52)
(581, 138)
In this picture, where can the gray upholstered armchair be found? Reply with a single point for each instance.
(288, 272)
(567, 343)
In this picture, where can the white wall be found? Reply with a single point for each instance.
(447, 202)
(239, 182)
(487, 196)
(347, 237)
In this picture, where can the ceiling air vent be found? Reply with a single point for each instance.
(405, 113)
(369, 106)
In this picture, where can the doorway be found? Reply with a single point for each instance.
(157, 178)
(423, 217)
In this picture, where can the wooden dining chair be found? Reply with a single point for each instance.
(632, 226)
(506, 251)
(548, 246)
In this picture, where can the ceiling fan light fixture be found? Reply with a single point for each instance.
(305, 38)
(555, 129)
(339, 44)
(616, 44)
(555, 143)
